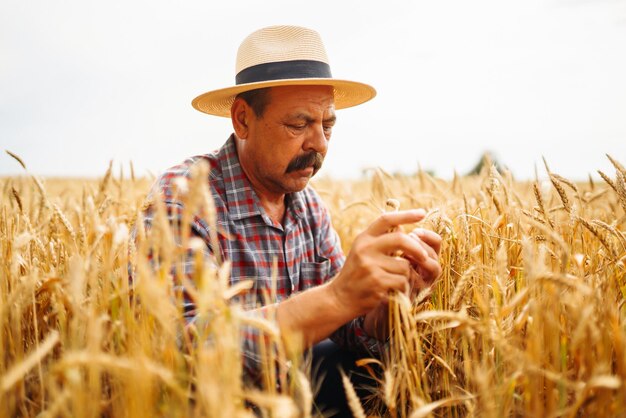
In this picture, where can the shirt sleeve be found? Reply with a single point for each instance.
(251, 333)
(352, 335)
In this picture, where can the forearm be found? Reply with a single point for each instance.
(313, 314)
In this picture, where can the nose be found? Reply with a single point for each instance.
(317, 140)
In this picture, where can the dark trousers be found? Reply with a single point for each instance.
(330, 398)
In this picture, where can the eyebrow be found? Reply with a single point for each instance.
(331, 119)
(309, 119)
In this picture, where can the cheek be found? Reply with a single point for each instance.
(284, 154)
(280, 148)
(275, 160)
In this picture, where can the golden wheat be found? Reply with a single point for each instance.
(527, 318)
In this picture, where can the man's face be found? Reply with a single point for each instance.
(286, 146)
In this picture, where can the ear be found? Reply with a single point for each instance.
(240, 114)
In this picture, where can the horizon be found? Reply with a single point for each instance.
(125, 169)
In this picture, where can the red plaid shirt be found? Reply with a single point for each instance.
(305, 248)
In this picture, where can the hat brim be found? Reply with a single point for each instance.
(347, 93)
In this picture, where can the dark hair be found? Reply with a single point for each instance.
(256, 99)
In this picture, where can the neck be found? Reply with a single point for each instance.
(272, 201)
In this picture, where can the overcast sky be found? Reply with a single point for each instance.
(83, 82)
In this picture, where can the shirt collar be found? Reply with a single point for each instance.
(241, 199)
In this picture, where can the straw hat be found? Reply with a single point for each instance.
(282, 56)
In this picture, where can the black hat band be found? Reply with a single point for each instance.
(283, 70)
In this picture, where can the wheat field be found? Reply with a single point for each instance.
(526, 320)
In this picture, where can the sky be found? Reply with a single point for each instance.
(85, 82)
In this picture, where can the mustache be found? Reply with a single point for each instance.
(310, 159)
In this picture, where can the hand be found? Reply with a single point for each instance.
(427, 269)
(371, 271)
(423, 274)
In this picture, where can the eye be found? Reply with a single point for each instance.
(297, 126)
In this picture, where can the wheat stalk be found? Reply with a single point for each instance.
(353, 400)
(608, 181)
(542, 209)
(17, 372)
(620, 168)
(16, 158)
(561, 192)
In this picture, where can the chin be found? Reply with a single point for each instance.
(298, 185)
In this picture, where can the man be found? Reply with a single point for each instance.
(282, 110)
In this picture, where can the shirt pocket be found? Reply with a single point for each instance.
(314, 273)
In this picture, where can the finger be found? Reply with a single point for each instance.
(431, 238)
(416, 283)
(397, 282)
(388, 220)
(429, 250)
(399, 241)
(429, 270)
(396, 265)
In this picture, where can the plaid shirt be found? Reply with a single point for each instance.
(305, 249)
